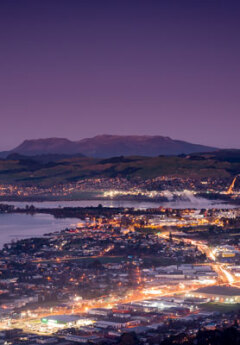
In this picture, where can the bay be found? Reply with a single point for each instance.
(18, 226)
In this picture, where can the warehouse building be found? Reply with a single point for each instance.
(65, 320)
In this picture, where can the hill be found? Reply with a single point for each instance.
(106, 146)
(26, 170)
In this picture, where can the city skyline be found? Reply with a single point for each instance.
(77, 69)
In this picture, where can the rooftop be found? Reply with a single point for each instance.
(61, 318)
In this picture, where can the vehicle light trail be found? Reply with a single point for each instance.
(224, 275)
(228, 275)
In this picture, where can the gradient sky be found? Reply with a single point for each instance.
(78, 68)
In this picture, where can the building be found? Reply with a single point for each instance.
(65, 320)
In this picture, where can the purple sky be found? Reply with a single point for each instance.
(80, 68)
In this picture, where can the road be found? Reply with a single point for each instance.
(224, 274)
(32, 321)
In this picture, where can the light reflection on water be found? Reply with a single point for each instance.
(194, 202)
(17, 226)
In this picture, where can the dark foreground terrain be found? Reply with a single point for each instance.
(48, 170)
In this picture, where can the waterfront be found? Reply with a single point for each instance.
(155, 260)
(153, 273)
(17, 226)
(193, 202)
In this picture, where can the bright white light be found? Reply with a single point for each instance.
(228, 275)
(152, 292)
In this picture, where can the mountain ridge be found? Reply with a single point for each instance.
(106, 146)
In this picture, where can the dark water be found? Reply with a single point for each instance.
(18, 226)
(191, 202)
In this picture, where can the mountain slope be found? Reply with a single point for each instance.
(27, 171)
(106, 146)
(47, 146)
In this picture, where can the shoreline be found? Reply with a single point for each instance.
(99, 196)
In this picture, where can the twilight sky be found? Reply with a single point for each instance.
(78, 68)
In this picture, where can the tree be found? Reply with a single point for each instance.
(128, 339)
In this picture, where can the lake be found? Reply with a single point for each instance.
(192, 202)
(18, 226)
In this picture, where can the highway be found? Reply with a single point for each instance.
(224, 274)
(31, 320)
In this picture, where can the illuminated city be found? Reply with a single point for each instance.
(119, 172)
(121, 270)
